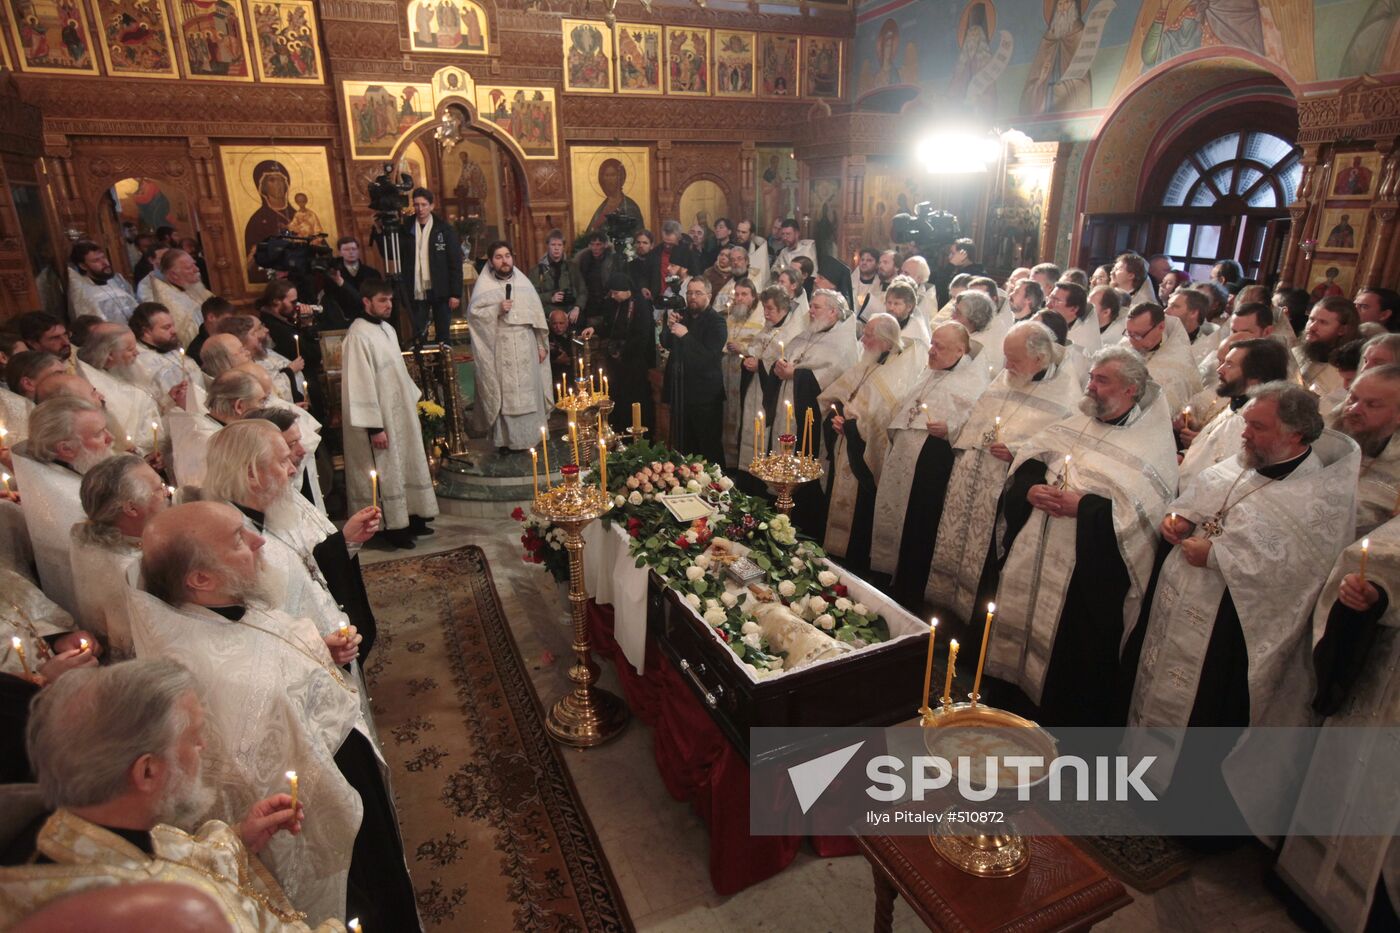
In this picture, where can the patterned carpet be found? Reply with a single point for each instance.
(493, 828)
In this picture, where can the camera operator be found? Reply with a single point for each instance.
(431, 257)
(558, 280)
(342, 284)
(596, 263)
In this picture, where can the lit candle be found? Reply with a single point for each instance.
(757, 427)
(544, 442)
(789, 418)
(558, 391)
(573, 439)
(354, 925)
(1064, 474)
(18, 645)
(996, 428)
(928, 663)
(1365, 549)
(3, 434)
(605, 387)
(637, 417)
(292, 780)
(6, 478)
(982, 657)
(155, 435)
(782, 350)
(535, 471)
(952, 663)
(297, 339)
(84, 644)
(345, 630)
(603, 466)
(374, 489)
(598, 385)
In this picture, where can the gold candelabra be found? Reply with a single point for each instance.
(587, 715)
(784, 470)
(587, 405)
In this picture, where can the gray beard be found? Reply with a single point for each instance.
(86, 460)
(187, 798)
(128, 374)
(1371, 442)
(1092, 407)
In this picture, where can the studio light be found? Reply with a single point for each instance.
(962, 150)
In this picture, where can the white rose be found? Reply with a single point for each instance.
(797, 565)
(702, 478)
(786, 588)
(725, 483)
(692, 486)
(843, 603)
(754, 641)
(826, 621)
(816, 604)
(762, 526)
(827, 578)
(619, 501)
(729, 599)
(714, 617)
(692, 600)
(555, 545)
(693, 573)
(749, 628)
(703, 561)
(861, 609)
(711, 603)
(692, 536)
(635, 498)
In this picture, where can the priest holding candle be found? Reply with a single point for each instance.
(379, 405)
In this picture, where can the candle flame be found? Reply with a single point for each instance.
(953, 644)
(991, 607)
(15, 643)
(1365, 544)
(373, 474)
(291, 775)
(932, 625)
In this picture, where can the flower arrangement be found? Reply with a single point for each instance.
(431, 417)
(692, 561)
(543, 544)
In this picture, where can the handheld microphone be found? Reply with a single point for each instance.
(508, 291)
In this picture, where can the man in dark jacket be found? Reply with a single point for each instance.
(628, 335)
(558, 281)
(432, 268)
(595, 265)
(694, 379)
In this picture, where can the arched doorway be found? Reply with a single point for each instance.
(1198, 162)
(477, 178)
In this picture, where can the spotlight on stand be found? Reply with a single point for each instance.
(955, 150)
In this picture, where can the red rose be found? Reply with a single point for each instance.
(840, 589)
(518, 514)
(683, 543)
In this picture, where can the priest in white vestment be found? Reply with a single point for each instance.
(182, 293)
(793, 246)
(867, 287)
(860, 404)
(1371, 417)
(67, 437)
(231, 397)
(169, 374)
(107, 361)
(94, 288)
(130, 848)
(1338, 855)
(1161, 340)
(1081, 507)
(1129, 275)
(759, 385)
(120, 496)
(743, 318)
(51, 641)
(1033, 391)
(1247, 363)
(1071, 302)
(1190, 307)
(379, 405)
(510, 341)
(917, 268)
(901, 302)
(760, 265)
(1226, 642)
(277, 700)
(915, 458)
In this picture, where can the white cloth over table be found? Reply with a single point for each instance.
(377, 392)
(1132, 465)
(1336, 874)
(513, 388)
(103, 568)
(1269, 557)
(970, 507)
(950, 395)
(272, 702)
(51, 508)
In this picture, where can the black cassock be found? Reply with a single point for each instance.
(857, 558)
(922, 516)
(379, 891)
(629, 346)
(1090, 629)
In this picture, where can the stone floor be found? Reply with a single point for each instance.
(658, 847)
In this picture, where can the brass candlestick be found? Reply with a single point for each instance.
(637, 434)
(582, 406)
(784, 470)
(992, 854)
(587, 715)
(609, 436)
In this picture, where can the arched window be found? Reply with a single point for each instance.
(1259, 169)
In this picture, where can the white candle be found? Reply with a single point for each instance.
(292, 780)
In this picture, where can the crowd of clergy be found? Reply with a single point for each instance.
(184, 725)
(1180, 497)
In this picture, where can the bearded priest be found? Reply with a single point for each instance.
(860, 405)
(915, 458)
(1035, 390)
(510, 340)
(277, 698)
(1225, 643)
(1081, 512)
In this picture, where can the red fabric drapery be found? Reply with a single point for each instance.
(699, 766)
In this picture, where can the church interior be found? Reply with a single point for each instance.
(468, 464)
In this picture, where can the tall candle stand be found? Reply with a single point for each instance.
(582, 406)
(587, 715)
(784, 470)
